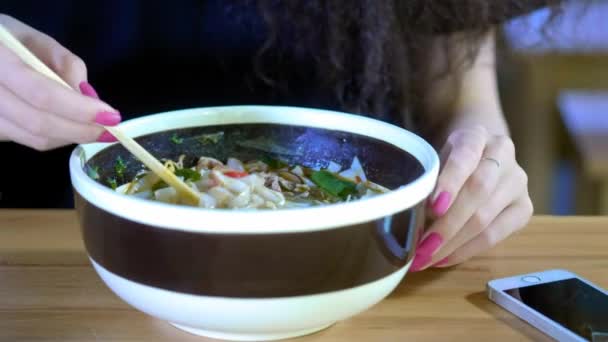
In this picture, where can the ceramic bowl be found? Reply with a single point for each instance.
(265, 274)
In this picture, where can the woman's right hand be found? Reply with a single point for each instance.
(40, 113)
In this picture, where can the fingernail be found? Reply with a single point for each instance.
(429, 245)
(425, 251)
(441, 204)
(106, 137)
(108, 118)
(441, 262)
(87, 89)
(420, 260)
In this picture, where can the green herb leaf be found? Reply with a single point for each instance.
(212, 138)
(159, 185)
(93, 172)
(188, 174)
(274, 163)
(120, 167)
(333, 185)
(112, 183)
(176, 139)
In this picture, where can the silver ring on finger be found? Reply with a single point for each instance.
(495, 161)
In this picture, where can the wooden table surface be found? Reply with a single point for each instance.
(49, 291)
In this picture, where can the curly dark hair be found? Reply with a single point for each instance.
(370, 54)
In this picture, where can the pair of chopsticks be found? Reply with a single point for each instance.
(187, 193)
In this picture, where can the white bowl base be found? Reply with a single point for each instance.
(250, 337)
(251, 319)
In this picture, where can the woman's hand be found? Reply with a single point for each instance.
(480, 199)
(40, 113)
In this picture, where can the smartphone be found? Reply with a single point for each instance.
(558, 302)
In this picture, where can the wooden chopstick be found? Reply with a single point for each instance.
(188, 194)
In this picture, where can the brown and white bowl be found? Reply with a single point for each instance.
(257, 275)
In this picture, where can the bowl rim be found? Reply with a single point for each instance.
(227, 221)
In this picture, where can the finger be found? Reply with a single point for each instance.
(512, 219)
(508, 191)
(444, 152)
(48, 95)
(66, 64)
(465, 149)
(43, 124)
(476, 191)
(11, 132)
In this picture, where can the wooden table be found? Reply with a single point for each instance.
(49, 292)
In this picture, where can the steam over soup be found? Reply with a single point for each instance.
(256, 184)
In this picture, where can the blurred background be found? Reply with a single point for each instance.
(554, 88)
(554, 84)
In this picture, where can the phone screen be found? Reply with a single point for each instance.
(571, 302)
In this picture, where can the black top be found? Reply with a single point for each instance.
(146, 57)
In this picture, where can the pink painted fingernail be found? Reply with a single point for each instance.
(425, 250)
(441, 262)
(108, 118)
(87, 89)
(441, 204)
(429, 245)
(106, 137)
(419, 262)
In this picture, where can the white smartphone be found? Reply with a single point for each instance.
(559, 303)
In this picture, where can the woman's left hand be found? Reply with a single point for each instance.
(481, 198)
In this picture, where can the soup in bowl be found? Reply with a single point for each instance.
(306, 217)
